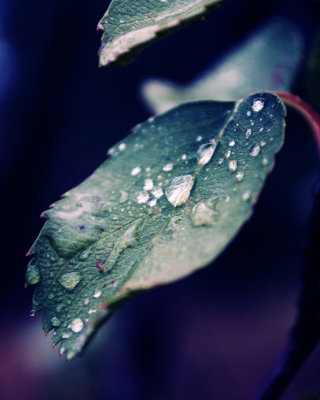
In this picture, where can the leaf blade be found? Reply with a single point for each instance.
(118, 233)
(129, 26)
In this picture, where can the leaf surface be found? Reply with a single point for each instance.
(131, 25)
(167, 201)
(267, 60)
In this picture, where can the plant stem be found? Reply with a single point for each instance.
(305, 333)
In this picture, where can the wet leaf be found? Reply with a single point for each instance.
(168, 200)
(267, 60)
(131, 25)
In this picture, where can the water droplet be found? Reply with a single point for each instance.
(122, 146)
(258, 104)
(199, 138)
(205, 153)
(249, 113)
(168, 167)
(66, 335)
(179, 189)
(152, 202)
(157, 192)
(135, 171)
(91, 311)
(184, 157)
(265, 161)
(123, 196)
(142, 197)
(201, 214)
(70, 281)
(121, 21)
(97, 294)
(233, 165)
(228, 153)
(220, 161)
(86, 302)
(32, 313)
(33, 275)
(246, 195)
(262, 144)
(232, 143)
(50, 296)
(239, 176)
(227, 199)
(148, 184)
(77, 325)
(248, 133)
(261, 129)
(254, 150)
(55, 321)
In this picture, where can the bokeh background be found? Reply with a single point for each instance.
(213, 335)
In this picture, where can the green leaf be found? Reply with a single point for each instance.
(168, 200)
(131, 25)
(267, 60)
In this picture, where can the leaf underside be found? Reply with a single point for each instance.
(131, 25)
(261, 62)
(168, 200)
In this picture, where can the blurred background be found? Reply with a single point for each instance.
(213, 335)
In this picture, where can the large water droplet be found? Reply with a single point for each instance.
(179, 189)
(70, 281)
(258, 104)
(77, 325)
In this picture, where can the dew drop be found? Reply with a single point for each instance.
(246, 195)
(232, 143)
(258, 104)
(220, 161)
(55, 321)
(248, 133)
(32, 313)
(77, 325)
(254, 150)
(239, 176)
(228, 153)
(50, 296)
(122, 146)
(233, 165)
(152, 202)
(248, 113)
(66, 335)
(265, 161)
(201, 214)
(148, 184)
(135, 171)
(142, 197)
(205, 153)
(262, 144)
(86, 302)
(168, 167)
(199, 138)
(184, 157)
(33, 275)
(123, 196)
(227, 199)
(97, 294)
(70, 281)
(179, 189)
(157, 192)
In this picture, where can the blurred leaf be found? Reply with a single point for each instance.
(170, 198)
(132, 25)
(267, 60)
(313, 77)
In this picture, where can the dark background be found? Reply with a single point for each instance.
(214, 335)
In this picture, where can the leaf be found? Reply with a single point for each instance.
(131, 25)
(168, 200)
(267, 60)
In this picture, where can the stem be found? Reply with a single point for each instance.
(305, 333)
